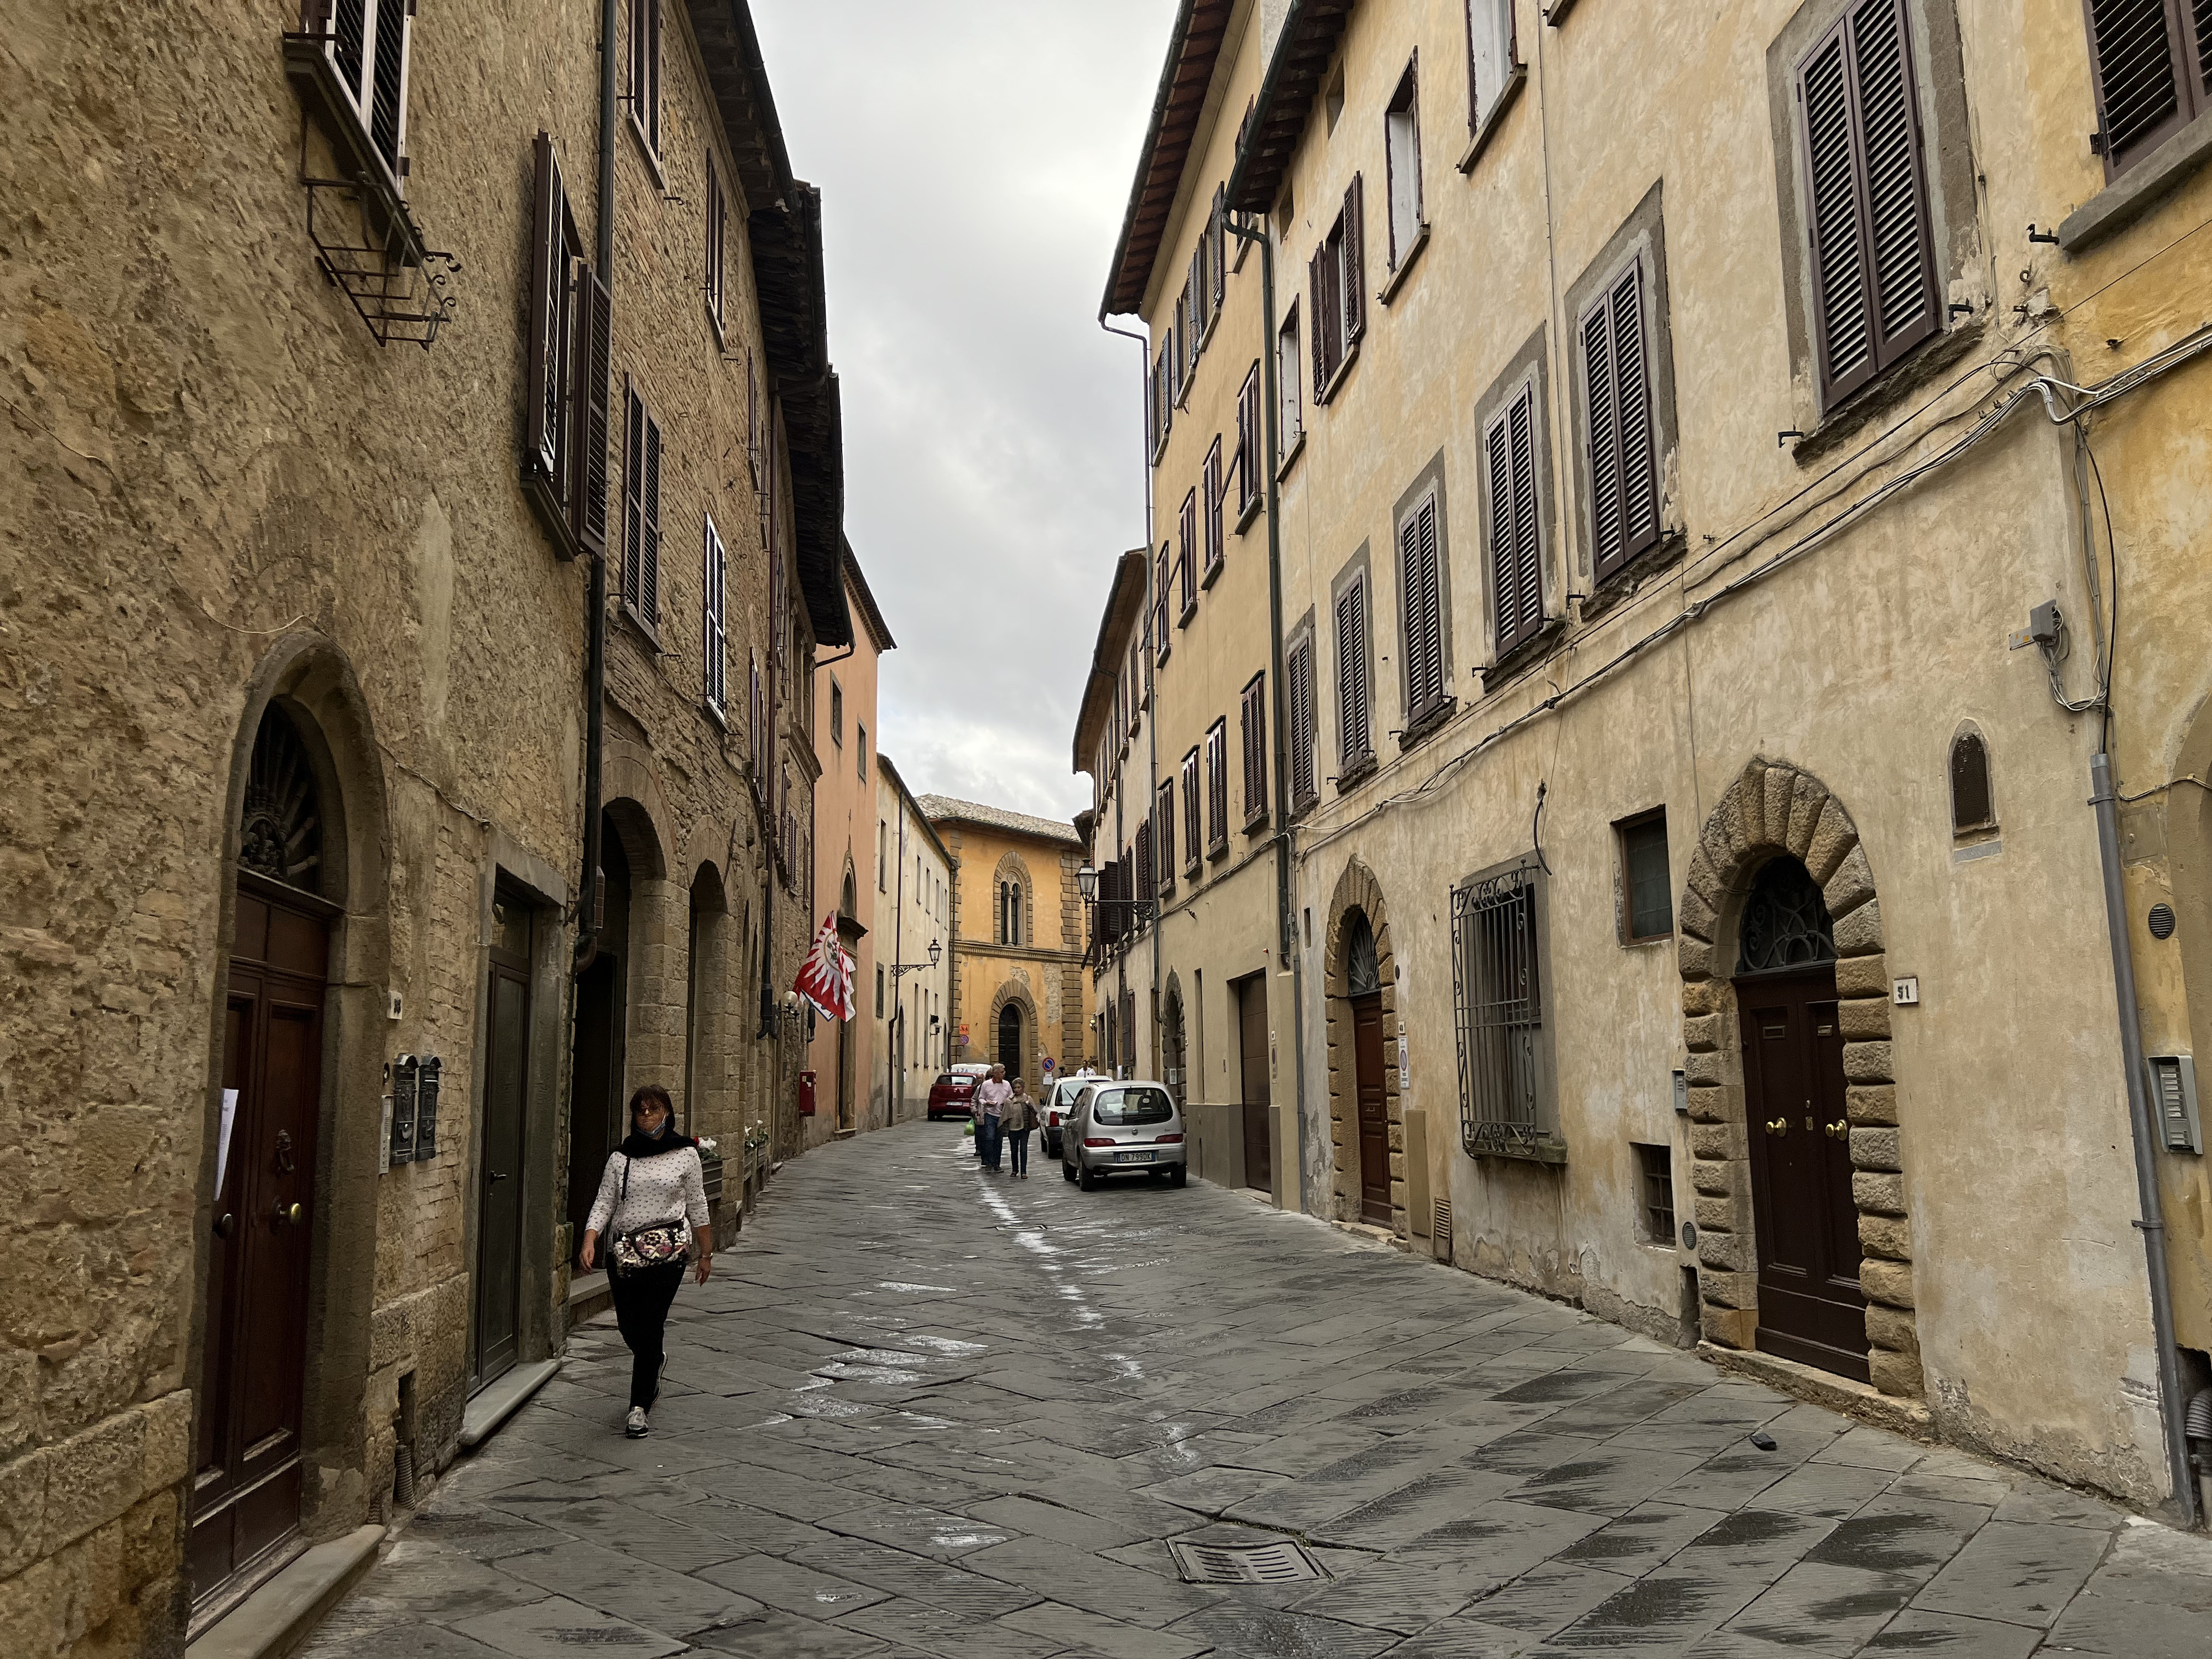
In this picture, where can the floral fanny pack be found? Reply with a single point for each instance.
(648, 1246)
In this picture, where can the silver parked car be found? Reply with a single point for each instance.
(1058, 1105)
(1119, 1128)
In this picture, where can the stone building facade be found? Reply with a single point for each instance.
(1019, 994)
(297, 636)
(1691, 819)
(913, 895)
(849, 861)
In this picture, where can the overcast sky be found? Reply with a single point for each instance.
(974, 157)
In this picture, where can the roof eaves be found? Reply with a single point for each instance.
(1125, 602)
(1303, 51)
(879, 629)
(1194, 46)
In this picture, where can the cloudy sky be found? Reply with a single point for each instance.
(974, 157)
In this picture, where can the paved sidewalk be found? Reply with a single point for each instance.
(921, 1410)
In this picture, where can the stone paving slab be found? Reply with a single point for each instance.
(923, 1411)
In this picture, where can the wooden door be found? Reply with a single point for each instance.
(499, 1214)
(247, 1475)
(1374, 1117)
(1810, 1307)
(1252, 1042)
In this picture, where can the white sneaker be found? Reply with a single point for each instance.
(635, 1425)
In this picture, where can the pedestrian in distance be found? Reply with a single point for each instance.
(991, 1097)
(1021, 1118)
(652, 1208)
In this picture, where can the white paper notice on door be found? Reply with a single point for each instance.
(222, 1140)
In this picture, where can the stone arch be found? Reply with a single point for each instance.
(1774, 809)
(1014, 870)
(1174, 1039)
(310, 679)
(1014, 993)
(1358, 891)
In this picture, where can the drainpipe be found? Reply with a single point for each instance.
(595, 696)
(1285, 909)
(2153, 1225)
(1152, 718)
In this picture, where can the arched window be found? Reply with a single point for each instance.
(1973, 808)
(1786, 923)
(1362, 974)
(1010, 912)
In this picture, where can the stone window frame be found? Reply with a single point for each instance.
(1642, 236)
(1547, 1021)
(1954, 216)
(1531, 364)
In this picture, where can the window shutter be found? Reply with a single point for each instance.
(1159, 624)
(1219, 240)
(1355, 265)
(1873, 251)
(648, 592)
(633, 496)
(1163, 813)
(1254, 734)
(387, 111)
(1317, 267)
(1301, 690)
(548, 281)
(1215, 491)
(1624, 486)
(717, 219)
(1192, 834)
(591, 372)
(1418, 589)
(2145, 88)
(1352, 733)
(1187, 552)
(711, 618)
(1510, 455)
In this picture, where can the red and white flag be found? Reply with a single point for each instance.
(825, 978)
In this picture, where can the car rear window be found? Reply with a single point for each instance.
(955, 1080)
(1132, 1106)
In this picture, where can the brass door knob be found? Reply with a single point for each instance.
(1841, 1129)
(225, 1224)
(1779, 1126)
(287, 1214)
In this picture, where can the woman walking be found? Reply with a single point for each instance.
(1021, 1118)
(991, 1097)
(652, 1208)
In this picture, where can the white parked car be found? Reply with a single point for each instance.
(1059, 1104)
(1123, 1128)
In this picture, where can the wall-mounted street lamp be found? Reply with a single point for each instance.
(936, 955)
(1086, 883)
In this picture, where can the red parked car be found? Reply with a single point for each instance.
(953, 1094)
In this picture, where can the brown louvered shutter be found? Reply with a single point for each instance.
(548, 288)
(1873, 249)
(1515, 552)
(1252, 725)
(1219, 225)
(1215, 490)
(592, 373)
(1163, 815)
(1352, 733)
(1187, 552)
(1420, 593)
(1160, 575)
(649, 575)
(1301, 690)
(1355, 265)
(1317, 271)
(633, 498)
(1624, 485)
(2153, 62)
(1192, 834)
(717, 220)
(1248, 442)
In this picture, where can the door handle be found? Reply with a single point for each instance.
(287, 1214)
(225, 1224)
(1779, 1126)
(1841, 1129)
(496, 1174)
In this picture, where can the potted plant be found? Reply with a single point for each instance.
(710, 1165)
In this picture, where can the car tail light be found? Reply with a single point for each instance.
(1052, 1119)
(1169, 1140)
(1097, 1141)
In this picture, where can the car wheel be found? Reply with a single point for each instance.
(1066, 1171)
(1088, 1178)
(1180, 1174)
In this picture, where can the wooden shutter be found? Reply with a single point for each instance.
(1163, 815)
(1186, 553)
(1160, 577)
(644, 70)
(548, 290)
(717, 219)
(1624, 484)
(1508, 450)
(1218, 239)
(2152, 76)
(1145, 884)
(1355, 266)
(711, 629)
(633, 496)
(1252, 730)
(1872, 245)
(1420, 596)
(1300, 689)
(590, 373)
(1317, 271)
(1215, 490)
(1192, 832)
(1248, 442)
(394, 23)
(1217, 783)
(1352, 744)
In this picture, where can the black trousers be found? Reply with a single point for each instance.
(641, 1303)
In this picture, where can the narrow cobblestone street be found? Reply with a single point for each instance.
(971, 1426)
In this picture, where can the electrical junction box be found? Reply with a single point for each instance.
(2173, 1101)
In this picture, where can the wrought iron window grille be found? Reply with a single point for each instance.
(1785, 923)
(1499, 1013)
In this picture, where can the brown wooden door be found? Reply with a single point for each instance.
(499, 1214)
(1374, 1117)
(246, 1482)
(1252, 1042)
(1810, 1308)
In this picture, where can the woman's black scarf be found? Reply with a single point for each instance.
(638, 1144)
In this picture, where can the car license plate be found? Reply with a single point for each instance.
(1133, 1158)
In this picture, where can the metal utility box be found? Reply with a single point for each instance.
(2173, 1101)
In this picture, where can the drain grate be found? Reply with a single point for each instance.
(1245, 1564)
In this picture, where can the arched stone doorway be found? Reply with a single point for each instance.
(1786, 1000)
(1367, 1131)
(288, 1221)
(1173, 1043)
(629, 856)
(1013, 1030)
(1010, 1046)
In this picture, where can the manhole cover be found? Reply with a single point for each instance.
(1244, 1563)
